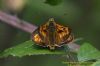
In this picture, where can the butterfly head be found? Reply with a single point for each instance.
(51, 22)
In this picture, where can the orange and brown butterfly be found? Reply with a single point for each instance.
(52, 35)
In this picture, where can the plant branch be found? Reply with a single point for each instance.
(15, 22)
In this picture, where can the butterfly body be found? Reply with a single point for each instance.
(52, 35)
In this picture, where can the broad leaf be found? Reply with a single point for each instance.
(28, 48)
(88, 52)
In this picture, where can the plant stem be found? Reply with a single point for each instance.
(15, 22)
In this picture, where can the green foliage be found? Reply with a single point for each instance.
(53, 2)
(27, 48)
(88, 52)
(96, 63)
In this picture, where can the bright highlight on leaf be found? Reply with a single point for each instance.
(28, 48)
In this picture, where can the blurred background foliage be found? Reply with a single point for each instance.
(82, 16)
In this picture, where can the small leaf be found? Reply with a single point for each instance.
(88, 52)
(28, 48)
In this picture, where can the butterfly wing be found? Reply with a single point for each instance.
(63, 35)
(37, 38)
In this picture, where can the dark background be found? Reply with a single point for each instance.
(83, 17)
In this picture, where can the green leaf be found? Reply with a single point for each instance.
(97, 63)
(88, 52)
(28, 48)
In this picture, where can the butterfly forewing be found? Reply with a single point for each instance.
(62, 34)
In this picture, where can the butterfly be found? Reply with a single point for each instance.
(52, 35)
